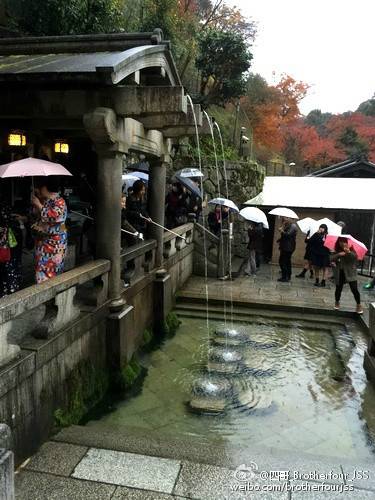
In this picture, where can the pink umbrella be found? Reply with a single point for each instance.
(359, 247)
(32, 167)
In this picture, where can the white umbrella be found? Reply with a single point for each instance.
(333, 228)
(255, 215)
(225, 203)
(284, 212)
(306, 224)
(141, 175)
(130, 178)
(190, 172)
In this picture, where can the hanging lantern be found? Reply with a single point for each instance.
(16, 138)
(61, 147)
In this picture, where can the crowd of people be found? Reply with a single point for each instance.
(320, 261)
(43, 229)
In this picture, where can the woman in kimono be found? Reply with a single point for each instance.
(49, 231)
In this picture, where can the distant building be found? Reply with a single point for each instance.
(351, 200)
(349, 168)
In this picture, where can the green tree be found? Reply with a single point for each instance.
(352, 144)
(318, 120)
(224, 59)
(367, 107)
(54, 17)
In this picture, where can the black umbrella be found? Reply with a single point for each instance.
(189, 184)
(140, 166)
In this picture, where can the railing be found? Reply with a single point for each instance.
(138, 260)
(44, 309)
(174, 244)
(214, 249)
(367, 266)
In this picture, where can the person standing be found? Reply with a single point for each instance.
(320, 255)
(307, 257)
(10, 253)
(346, 272)
(255, 245)
(218, 219)
(49, 231)
(136, 211)
(287, 246)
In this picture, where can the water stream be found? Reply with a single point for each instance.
(203, 218)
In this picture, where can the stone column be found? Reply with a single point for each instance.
(101, 125)
(108, 217)
(156, 205)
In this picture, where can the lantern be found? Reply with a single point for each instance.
(16, 138)
(61, 147)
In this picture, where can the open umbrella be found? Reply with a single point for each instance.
(359, 247)
(284, 212)
(130, 178)
(224, 202)
(333, 228)
(189, 184)
(190, 172)
(305, 224)
(32, 167)
(254, 214)
(141, 175)
(139, 166)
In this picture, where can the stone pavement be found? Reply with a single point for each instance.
(70, 468)
(264, 290)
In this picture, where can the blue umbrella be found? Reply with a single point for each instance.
(189, 184)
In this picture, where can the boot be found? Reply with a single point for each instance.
(323, 283)
(317, 282)
(301, 274)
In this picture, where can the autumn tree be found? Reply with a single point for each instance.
(270, 107)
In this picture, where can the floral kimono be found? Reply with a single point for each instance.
(50, 239)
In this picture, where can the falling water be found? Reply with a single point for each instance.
(221, 221)
(230, 232)
(203, 218)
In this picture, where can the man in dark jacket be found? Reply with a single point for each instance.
(287, 245)
(255, 245)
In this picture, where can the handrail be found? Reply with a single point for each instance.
(137, 250)
(181, 230)
(36, 295)
(211, 236)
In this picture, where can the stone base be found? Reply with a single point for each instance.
(369, 366)
(120, 337)
(207, 405)
(8, 353)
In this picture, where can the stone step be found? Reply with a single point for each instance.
(237, 263)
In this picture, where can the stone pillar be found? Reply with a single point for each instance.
(162, 299)
(156, 205)
(101, 126)
(108, 218)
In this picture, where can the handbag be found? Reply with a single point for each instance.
(4, 254)
(12, 241)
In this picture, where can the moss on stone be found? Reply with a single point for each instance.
(171, 325)
(86, 387)
(147, 337)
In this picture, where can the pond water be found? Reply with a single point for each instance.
(297, 385)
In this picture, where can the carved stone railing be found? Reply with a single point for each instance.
(209, 246)
(43, 310)
(138, 260)
(174, 244)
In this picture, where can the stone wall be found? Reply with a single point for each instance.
(38, 381)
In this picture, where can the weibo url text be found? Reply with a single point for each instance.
(286, 487)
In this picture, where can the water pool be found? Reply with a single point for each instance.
(301, 387)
